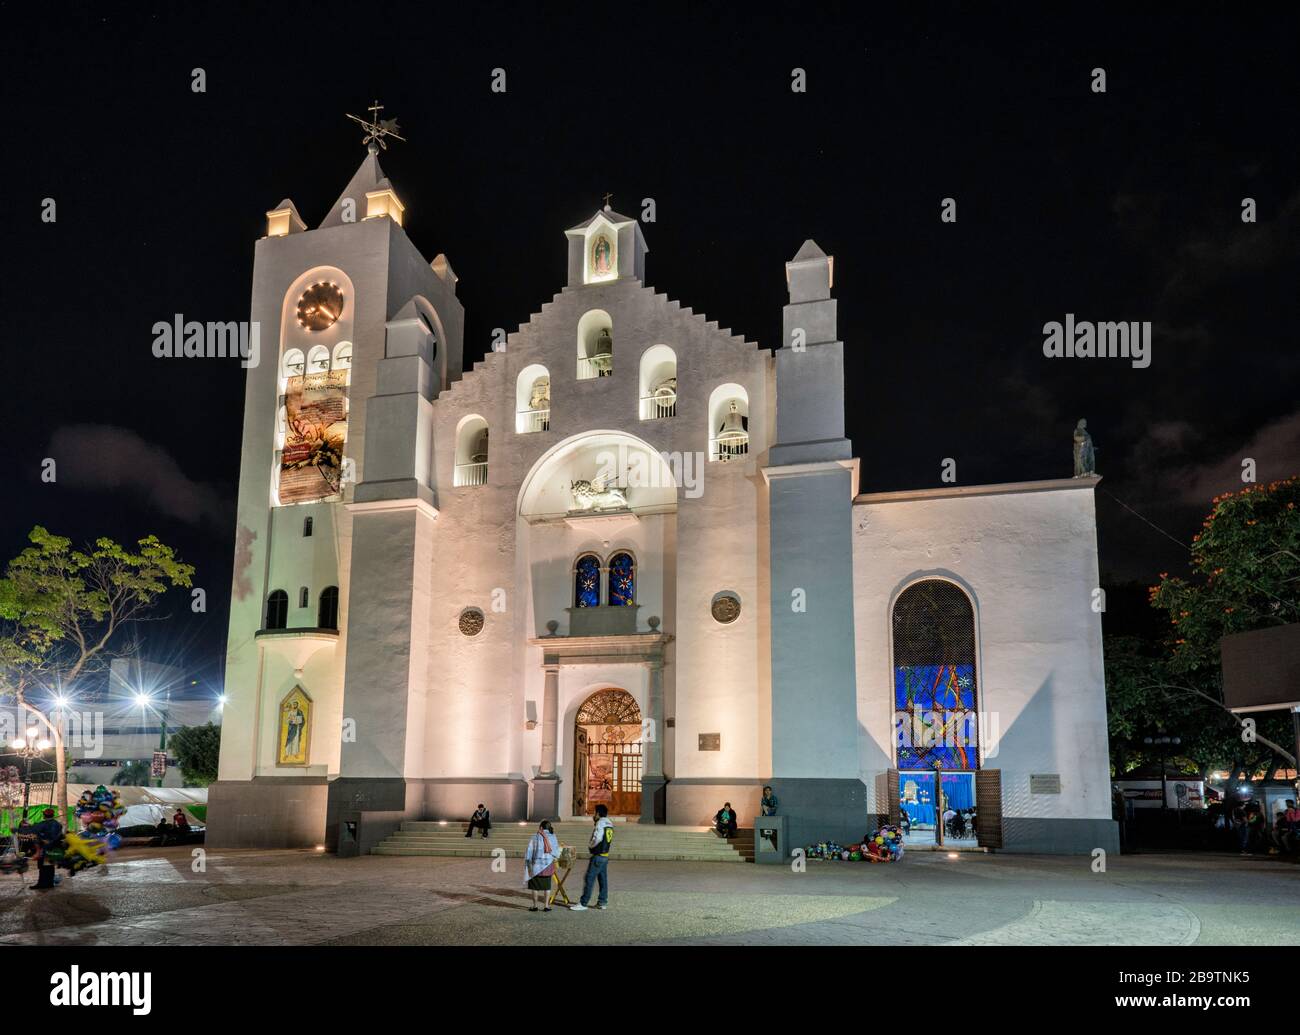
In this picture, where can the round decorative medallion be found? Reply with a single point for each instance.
(726, 608)
(471, 621)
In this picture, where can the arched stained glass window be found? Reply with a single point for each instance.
(586, 581)
(622, 580)
(935, 698)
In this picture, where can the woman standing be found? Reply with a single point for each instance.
(539, 863)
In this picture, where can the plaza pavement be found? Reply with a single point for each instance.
(152, 897)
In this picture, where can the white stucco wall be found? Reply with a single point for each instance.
(1027, 555)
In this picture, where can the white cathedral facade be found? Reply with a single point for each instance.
(623, 560)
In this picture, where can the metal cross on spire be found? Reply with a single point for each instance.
(377, 129)
(607, 197)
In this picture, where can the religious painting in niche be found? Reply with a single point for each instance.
(622, 580)
(316, 430)
(586, 582)
(295, 728)
(602, 256)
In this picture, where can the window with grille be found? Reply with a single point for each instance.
(935, 695)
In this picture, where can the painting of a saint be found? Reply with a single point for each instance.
(316, 430)
(602, 257)
(295, 728)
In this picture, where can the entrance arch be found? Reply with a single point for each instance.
(607, 754)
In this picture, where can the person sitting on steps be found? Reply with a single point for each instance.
(725, 820)
(482, 820)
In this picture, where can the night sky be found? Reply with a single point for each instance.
(1117, 206)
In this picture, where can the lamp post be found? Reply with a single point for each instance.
(1163, 743)
(28, 747)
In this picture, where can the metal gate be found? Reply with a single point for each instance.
(614, 778)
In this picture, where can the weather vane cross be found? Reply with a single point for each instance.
(377, 129)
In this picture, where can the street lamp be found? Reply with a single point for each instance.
(27, 748)
(1164, 743)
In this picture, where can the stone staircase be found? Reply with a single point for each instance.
(631, 841)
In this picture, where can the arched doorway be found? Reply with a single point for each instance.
(607, 754)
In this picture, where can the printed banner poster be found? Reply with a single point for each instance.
(316, 430)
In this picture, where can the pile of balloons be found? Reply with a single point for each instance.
(99, 810)
(885, 845)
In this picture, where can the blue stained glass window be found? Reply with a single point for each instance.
(586, 582)
(935, 696)
(934, 710)
(622, 580)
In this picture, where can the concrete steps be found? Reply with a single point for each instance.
(631, 841)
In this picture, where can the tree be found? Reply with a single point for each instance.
(63, 612)
(132, 774)
(196, 749)
(1245, 574)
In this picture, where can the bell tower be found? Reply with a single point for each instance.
(811, 479)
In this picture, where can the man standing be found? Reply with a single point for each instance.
(601, 839)
(49, 832)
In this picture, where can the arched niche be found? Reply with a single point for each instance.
(471, 451)
(616, 458)
(728, 422)
(595, 345)
(533, 399)
(658, 383)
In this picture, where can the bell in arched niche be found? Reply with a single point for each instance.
(479, 449)
(603, 356)
(733, 439)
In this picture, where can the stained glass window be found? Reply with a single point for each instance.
(586, 582)
(622, 580)
(935, 700)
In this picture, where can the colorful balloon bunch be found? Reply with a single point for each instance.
(99, 811)
(885, 845)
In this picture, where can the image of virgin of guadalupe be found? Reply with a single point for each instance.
(602, 254)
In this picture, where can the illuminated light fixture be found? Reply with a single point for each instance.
(320, 848)
(60, 701)
(442, 822)
(222, 699)
(384, 203)
(44, 744)
(283, 221)
(142, 699)
(18, 743)
(952, 855)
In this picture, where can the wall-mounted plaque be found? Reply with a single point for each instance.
(1044, 783)
(471, 621)
(710, 741)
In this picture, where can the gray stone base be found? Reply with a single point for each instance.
(546, 798)
(814, 810)
(654, 799)
(267, 812)
(450, 798)
(694, 801)
(365, 810)
(1059, 836)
